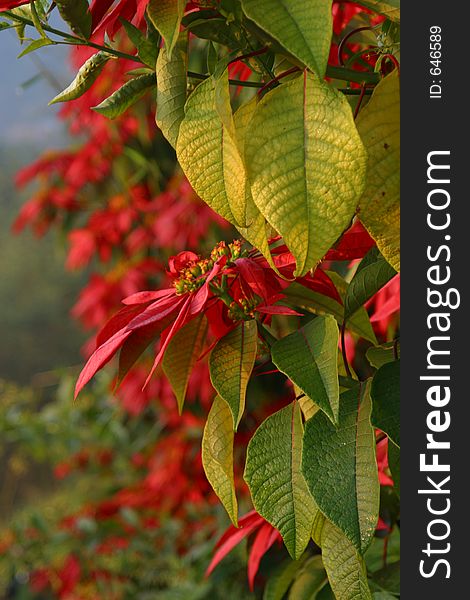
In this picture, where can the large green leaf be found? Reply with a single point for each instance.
(127, 95)
(171, 88)
(77, 15)
(231, 363)
(84, 79)
(340, 467)
(207, 150)
(256, 231)
(308, 357)
(385, 393)
(303, 28)
(181, 355)
(217, 455)
(372, 274)
(306, 165)
(309, 580)
(379, 126)
(388, 8)
(277, 486)
(345, 567)
(166, 17)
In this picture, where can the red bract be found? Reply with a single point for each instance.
(241, 286)
(12, 4)
(265, 538)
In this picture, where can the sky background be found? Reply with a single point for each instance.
(26, 117)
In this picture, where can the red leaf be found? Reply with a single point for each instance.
(98, 10)
(264, 539)
(233, 536)
(101, 356)
(12, 4)
(117, 322)
(278, 310)
(354, 243)
(146, 297)
(322, 284)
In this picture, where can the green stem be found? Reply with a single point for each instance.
(350, 75)
(72, 39)
(252, 84)
(341, 73)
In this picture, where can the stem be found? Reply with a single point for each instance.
(345, 39)
(385, 552)
(395, 348)
(252, 84)
(343, 351)
(249, 55)
(351, 75)
(72, 39)
(277, 78)
(359, 102)
(333, 72)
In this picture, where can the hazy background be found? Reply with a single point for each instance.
(36, 333)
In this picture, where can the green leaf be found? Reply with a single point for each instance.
(217, 456)
(394, 465)
(277, 486)
(309, 580)
(359, 323)
(308, 406)
(171, 88)
(279, 582)
(306, 165)
(383, 354)
(231, 363)
(146, 50)
(309, 358)
(35, 45)
(181, 355)
(379, 126)
(340, 467)
(207, 150)
(372, 274)
(166, 16)
(126, 96)
(257, 229)
(389, 8)
(385, 393)
(346, 569)
(303, 28)
(77, 15)
(216, 30)
(84, 79)
(36, 8)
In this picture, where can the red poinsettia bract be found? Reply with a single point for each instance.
(228, 287)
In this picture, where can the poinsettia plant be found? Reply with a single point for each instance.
(283, 119)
